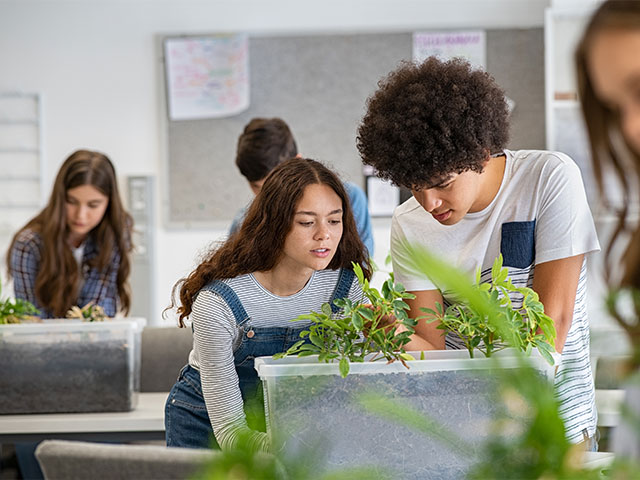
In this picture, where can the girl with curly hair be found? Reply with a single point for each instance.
(440, 128)
(292, 253)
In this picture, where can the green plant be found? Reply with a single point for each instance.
(16, 310)
(376, 327)
(88, 313)
(524, 327)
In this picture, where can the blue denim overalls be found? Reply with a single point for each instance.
(186, 419)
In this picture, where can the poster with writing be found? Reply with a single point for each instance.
(207, 77)
(468, 44)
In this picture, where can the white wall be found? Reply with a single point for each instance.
(96, 65)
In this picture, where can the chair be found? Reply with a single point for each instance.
(73, 460)
(164, 351)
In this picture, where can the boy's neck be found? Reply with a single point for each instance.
(491, 176)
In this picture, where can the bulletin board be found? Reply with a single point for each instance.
(319, 85)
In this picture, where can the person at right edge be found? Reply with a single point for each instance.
(608, 74)
(440, 129)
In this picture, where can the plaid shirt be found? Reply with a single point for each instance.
(99, 287)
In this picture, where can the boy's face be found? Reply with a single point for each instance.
(452, 198)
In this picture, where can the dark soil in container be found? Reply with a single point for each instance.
(65, 377)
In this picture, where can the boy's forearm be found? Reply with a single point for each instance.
(556, 283)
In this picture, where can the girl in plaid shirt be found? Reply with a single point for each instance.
(76, 250)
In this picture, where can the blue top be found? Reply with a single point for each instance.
(360, 209)
(98, 286)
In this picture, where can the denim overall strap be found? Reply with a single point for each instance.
(342, 287)
(230, 297)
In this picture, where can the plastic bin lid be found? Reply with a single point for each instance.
(62, 324)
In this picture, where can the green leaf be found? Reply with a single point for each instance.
(357, 269)
(326, 309)
(386, 290)
(344, 367)
(316, 340)
(399, 304)
(366, 313)
(406, 356)
(357, 321)
(546, 355)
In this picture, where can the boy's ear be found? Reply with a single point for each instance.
(298, 156)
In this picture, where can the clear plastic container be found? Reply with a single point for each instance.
(69, 366)
(314, 414)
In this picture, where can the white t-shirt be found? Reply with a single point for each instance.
(539, 214)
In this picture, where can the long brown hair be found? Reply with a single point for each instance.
(58, 280)
(257, 245)
(610, 152)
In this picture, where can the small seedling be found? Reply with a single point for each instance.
(88, 313)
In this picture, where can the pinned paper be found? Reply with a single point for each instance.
(470, 45)
(207, 77)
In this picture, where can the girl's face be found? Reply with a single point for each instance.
(85, 206)
(316, 231)
(614, 67)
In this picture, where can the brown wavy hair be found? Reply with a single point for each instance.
(257, 245)
(58, 280)
(610, 151)
(429, 120)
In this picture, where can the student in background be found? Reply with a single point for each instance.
(76, 250)
(293, 252)
(608, 72)
(608, 64)
(440, 129)
(264, 143)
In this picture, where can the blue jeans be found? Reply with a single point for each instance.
(186, 419)
(29, 466)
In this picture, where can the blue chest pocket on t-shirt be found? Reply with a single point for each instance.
(517, 244)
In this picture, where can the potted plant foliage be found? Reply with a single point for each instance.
(16, 310)
(361, 350)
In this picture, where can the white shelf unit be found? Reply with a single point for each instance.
(565, 129)
(21, 163)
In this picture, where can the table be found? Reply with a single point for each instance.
(145, 422)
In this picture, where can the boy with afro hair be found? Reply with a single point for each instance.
(440, 129)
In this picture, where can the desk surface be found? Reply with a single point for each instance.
(146, 421)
